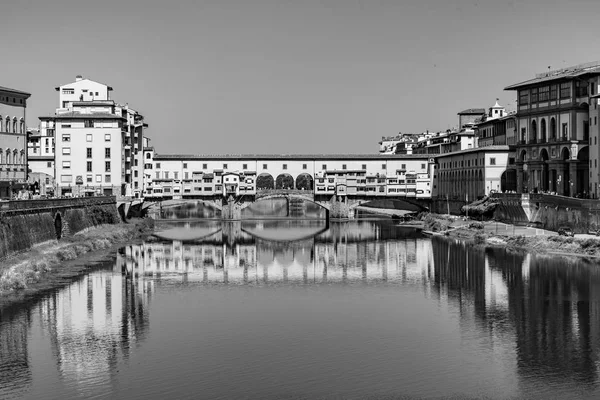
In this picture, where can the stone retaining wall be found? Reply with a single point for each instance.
(26, 223)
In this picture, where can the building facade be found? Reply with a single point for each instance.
(98, 142)
(13, 141)
(553, 126)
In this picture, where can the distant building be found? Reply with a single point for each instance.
(555, 152)
(496, 128)
(399, 144)
(99, 143)
(40, 155)
(468, 117)
(13, 141)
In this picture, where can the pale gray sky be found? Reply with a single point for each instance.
(257, 76)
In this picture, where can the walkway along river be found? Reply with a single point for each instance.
(288, 309)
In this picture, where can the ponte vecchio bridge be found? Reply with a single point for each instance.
(337, 183)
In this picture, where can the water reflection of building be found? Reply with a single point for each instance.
(15, 373)
(265, 261)
(93, 323)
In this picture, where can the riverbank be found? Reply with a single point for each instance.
(47, 262)
(493, 234)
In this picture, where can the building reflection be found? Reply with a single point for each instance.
(94, 323)
(15, 372)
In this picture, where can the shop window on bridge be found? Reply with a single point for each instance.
(264, 166)
(304, 166)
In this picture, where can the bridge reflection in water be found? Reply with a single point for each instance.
(282, 251)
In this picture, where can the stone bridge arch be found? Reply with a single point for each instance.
(322, 204)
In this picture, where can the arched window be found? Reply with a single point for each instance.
(21, 125)
(7, 127)
(543, 130)
(8, 156)
(15, 157)
(147, 156)
(1, 157)
(21, 157)
(552, 128)
(533, 133)
(15, 125)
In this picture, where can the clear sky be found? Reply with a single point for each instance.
(257, 76)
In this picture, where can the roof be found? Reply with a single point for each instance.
(496, 148)
(297, 157)
(559, 74)
(94, 103)
(15, 91)
(472, 111)
(76, 115)
(82, 79)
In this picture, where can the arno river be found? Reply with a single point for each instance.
(305, 309)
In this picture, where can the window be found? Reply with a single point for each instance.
(383, 166)
(107, 166)
(544, 93)
(88, 152)
(66, 164)
(403, 166)
(65, 125)
(184, 165)
(343, 166)
(422, 166)
(97, 94)
(492, 161)
(158, 175)
(68, 91)
(66, 137)
(107, 178)
(186, 175)
(147, 156)
(511, 160)
(107, 137)
(135, 162)
(244, 166)
(89, 166)
(157, 165)
(98, 178)
(66, 151)
(304, 166)
(284, 166)
(88, 123)
(204, 166)
(166, 174)
(324, 166)
(534, 95)
(66, 178)
(264, 166)
(49, 164)
(565, 130)
(224, 166)
(553, 92)
(565, 90)
(523, 97)
(88, 137)
(176, 175)
(107, 152)
(581, 88)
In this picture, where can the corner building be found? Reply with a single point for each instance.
(553, 128)
(13, 141)
(99, 143)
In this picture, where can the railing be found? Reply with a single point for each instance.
(271, 192)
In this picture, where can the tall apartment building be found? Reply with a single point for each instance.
(555, 151)
(40, 157)
(13, 141)
(98, 142)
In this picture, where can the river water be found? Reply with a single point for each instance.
(304, 309)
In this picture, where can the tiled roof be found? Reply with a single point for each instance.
(561, 74)
(307, 157)
(472, 111)
(76, 115)
(5, 89)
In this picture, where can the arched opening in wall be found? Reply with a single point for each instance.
(284, 181)
(545, 178)
(522, 156)
(481, 184)
(552, 128)
(304, 182)
(58, 225)
(563, 187)
(533, 132)
(583, 172)
(265, 181)
(508, 181)
(543, 130)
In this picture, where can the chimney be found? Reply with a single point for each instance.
(78, 78)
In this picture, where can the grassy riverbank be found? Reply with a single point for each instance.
(23, 270)
(491, 234)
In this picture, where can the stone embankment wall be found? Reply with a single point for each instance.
(443, 206)
(549, 211)
(26, 223)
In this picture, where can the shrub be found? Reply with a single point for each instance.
(476, 225)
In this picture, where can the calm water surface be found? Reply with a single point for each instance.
(305, 309)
